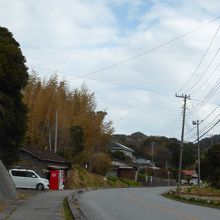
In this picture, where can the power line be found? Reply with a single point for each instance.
(207, 80)
(189, 131)
(206, 126)
(144, 106)
(120, 84)
(209, 95)
(199, 64)
(150, 50)
(206, 70)
(208, 130)
(147, 51)
(148, 116)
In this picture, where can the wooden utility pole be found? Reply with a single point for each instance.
(152, 153)
(184, 97)
(56, 128)
(198, 150)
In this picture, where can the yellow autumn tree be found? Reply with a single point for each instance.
(48, 99)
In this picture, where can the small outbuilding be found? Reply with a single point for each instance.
(42, 161)
(123, 170)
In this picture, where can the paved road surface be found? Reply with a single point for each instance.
(138, 204)
(43, 206)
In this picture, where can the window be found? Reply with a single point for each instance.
(18, 173)
(30, 174)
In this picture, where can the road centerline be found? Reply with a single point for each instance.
(165, 209)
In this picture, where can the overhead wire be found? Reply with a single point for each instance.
(207, 131)
(145, 105)
(200, 62)
(209, 80)
(147, 116)
(205, 127)
(209, 95)
(189, 131)
(204, 72)
(147, 51)
(123, 85)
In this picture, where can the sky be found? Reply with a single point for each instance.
(134, 55)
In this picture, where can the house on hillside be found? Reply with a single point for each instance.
(190, 176)
(123, 170)
(115, 146)
(42, 161)
(142, 162)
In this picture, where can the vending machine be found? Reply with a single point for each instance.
(56, 179)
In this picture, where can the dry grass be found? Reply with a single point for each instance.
(203, 191)
(2, 206)
(81, 178)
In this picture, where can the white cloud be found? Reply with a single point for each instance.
(82, 36)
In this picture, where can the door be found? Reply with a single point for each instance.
(31, 180)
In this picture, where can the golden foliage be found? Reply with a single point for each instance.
(76, 107)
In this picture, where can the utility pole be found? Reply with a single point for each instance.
(198, 150)
(212, 141)
(184, 97)
(152, 153)
(56, 128)
(49, 136)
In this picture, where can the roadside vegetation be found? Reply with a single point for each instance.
(66, 210)
(2, 206)
(81, 178)
(202, 191)
(204, 196)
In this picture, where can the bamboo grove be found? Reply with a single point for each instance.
(75, 109)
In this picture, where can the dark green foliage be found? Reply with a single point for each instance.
(77, 135)
(166, 150)
(189, 154)
(13, 78)
(118, 155)
(210, 166)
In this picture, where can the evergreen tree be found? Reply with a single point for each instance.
(13, 78)
(77, 138)
(210, 166)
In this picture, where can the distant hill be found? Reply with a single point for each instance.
(166, 150)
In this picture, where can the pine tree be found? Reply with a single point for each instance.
(13, 79)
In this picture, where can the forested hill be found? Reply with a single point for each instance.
(166, 150)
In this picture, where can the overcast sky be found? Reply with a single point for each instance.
(107, 44)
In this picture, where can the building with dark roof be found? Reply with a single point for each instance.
(115, 146)
(42, 161)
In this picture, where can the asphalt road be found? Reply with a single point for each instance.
(43, 206)
(138, 204)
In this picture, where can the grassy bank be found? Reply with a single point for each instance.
(202, 191)
(2, 206)
(188, 193)
(81, 178)
(67, 214)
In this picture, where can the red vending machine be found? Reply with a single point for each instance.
(56, 179)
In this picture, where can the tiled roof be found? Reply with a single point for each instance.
(118, 146)
(142, 161)
(45, 155)
(121, 165)
(188, 172)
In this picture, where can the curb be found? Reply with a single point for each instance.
(74, 206)
(72, 199)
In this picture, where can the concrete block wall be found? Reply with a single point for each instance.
(7, 188)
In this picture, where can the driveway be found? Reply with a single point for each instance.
(43, 206)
